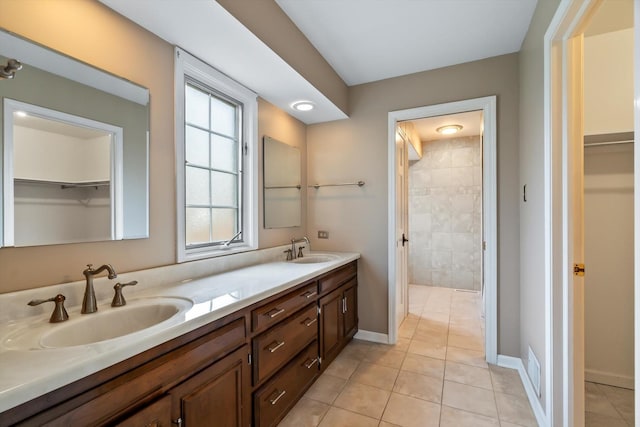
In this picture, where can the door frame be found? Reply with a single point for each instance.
(489, 208)
(560, 51)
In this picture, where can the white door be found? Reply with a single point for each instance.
(575, 181)
(402, 207)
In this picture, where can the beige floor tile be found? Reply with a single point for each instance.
(430, 336)
(402, 344)
(383, 377)
(424, 365)
(326, 388)
(408, 411)
(471, 342)
(451, 417)
(508, 424)
(337, 417)
(597, 402)
(467, 374)
(598, 420)
(356, 349)
(342, 367)
(386, 424)
(469, 398)
(431, 349)
(306, 413)
(420, 386)
(407, 331)
(506, 381)
(466, 356)
(385, 355)
(515, 409)
(363, 399)
(622, 399)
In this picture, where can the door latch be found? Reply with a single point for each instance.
(578, 270)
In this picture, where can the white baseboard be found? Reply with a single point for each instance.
(516, 363)
(608, 378)
(372, 336)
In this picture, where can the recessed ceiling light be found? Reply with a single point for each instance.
(21, 114)
(449, 129)
(303, 106)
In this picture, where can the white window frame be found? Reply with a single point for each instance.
(189, 66)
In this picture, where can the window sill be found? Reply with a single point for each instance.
(204, 253)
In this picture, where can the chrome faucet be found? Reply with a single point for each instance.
(305, 239)
(89, 304)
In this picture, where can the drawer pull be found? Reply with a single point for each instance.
(276, 345)
(275, 399)
(309, 294)
(308, 322)
(275, 312)
(310, 363)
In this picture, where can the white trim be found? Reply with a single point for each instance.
(116, 164)
(609, 378)
(516, 363)
(372, 336)
(488, 106)
(636, 200)
(187, 65)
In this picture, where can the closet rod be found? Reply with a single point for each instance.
(594, 144)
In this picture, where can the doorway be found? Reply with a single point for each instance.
(564, 175)
(398, 207)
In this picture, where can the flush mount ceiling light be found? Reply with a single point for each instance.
(449, 129)
(303, 106)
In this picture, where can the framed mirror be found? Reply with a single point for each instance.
(74, 150)
(282, 184)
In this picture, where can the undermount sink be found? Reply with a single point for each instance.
(315, 259)
(107, 324)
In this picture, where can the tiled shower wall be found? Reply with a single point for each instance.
(445, 214)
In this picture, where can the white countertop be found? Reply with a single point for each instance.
(28, 373)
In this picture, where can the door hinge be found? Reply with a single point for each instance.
(245, 149)
(319, 310)
(484, 245)
(249, 358)
(578, 269)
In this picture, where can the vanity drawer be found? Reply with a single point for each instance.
(276, 397)
(274, 348)
(271, 313)
(334, 279)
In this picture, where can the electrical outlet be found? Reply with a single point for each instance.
(323, 234)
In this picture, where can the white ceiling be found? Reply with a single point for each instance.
(367, 40)
(363, 40)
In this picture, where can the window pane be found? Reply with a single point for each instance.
(224, 154)
(197, 186)
(197, 146)
(223, 117)
(197, 225)
(196, 107)
(224, 223)
(223, 189)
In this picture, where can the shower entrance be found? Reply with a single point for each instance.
(428, 257)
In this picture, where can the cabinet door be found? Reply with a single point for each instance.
(350, 308)
(219, 395)
(331, 326)
(157, 414)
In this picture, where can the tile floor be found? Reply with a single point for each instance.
(607, 406)
(434, 376)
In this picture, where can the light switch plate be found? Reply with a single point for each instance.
(323, 234)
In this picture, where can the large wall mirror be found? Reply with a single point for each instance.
(74, 150)
(282, 184)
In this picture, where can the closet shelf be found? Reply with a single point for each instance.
(63, 184)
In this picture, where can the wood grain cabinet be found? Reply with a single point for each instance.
(246, 369)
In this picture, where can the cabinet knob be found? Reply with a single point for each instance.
(177, 422)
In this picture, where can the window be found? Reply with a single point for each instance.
(216, 162)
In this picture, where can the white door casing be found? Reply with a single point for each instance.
(489, 209)
(402, 229)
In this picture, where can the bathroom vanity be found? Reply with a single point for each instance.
(247, 366)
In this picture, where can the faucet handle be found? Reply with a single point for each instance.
(59, 312)
(118, 298)
(289, 253)
(300, 254)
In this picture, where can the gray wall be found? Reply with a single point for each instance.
(532, 267)
(356, 149)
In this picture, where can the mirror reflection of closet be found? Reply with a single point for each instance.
(282, 184)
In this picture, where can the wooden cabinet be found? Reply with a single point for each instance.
(216, 396)
(338, 320)
(248, 368)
